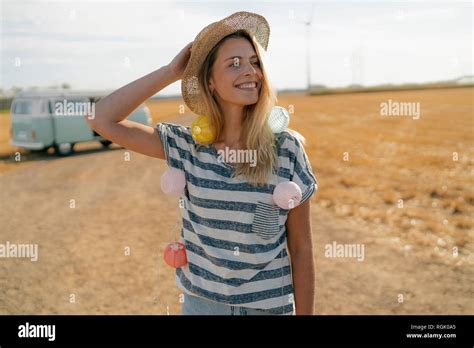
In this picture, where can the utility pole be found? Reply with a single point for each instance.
(308, 47)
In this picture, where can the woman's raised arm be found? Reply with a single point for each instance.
(111, 112)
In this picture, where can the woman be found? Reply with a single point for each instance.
(236, 238)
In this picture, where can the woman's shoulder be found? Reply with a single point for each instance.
(289, 139)
(174, 130)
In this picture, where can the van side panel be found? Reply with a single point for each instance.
(72, 129)
(70, 126)
(43, 127)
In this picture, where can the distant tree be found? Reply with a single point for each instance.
(355, 85)
(15, 90)
(66, 85)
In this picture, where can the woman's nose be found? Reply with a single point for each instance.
(251, 70)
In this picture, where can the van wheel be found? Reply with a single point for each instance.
(105, 143)
(64, 149)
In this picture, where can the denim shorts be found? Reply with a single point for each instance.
(194, 305)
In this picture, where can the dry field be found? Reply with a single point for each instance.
(389, 183)
(396, 158)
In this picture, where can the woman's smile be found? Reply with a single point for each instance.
(248, 87)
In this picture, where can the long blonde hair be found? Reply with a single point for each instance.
(256, 133)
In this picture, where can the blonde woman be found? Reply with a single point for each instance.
(246, 255)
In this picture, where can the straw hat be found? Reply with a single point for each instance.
(205, 41)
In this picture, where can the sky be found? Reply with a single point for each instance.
(103, 45)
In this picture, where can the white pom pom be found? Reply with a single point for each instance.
(287, 195)
(173, 182)
(279, 119)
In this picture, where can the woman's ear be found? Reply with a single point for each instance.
(211, 87)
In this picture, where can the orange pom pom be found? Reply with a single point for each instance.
(175, 255)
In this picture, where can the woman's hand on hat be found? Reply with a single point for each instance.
(179, 63)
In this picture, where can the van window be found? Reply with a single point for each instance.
(23, 108)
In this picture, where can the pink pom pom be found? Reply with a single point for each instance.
(287, 195)
(173, 182)
(175, 255)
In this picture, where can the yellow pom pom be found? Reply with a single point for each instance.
(202, 130)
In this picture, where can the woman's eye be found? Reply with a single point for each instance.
(237, 65)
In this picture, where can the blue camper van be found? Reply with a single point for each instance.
(40, 120)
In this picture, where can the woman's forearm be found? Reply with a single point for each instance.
(304, 281)
(118, 105)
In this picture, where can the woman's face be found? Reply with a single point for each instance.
(236, 76)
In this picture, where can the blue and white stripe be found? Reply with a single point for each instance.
(235, 235)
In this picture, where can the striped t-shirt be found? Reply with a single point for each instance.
(235, 235)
